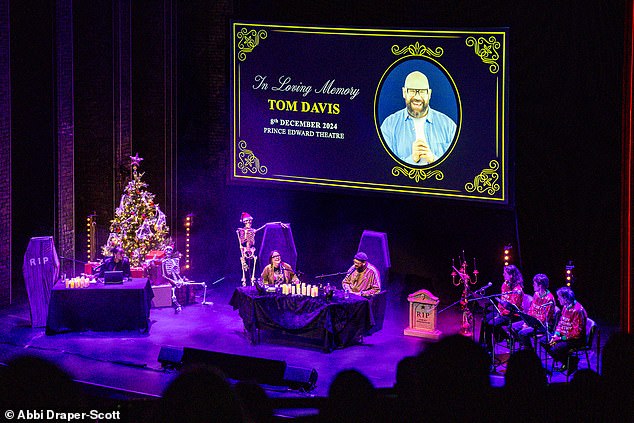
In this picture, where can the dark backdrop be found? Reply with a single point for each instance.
(565, 69)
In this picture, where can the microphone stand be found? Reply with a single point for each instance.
(473, 299)
(72, 260)
(490, 298)
(330, 274)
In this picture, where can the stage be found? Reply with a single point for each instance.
(127, 362)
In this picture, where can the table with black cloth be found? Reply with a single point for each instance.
(338, 322)
(100, 307)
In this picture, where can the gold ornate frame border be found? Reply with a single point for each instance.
(484, 186)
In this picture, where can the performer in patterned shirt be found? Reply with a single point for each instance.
(542, 308)
(362, 277)
(513, 293)
(570, 331)
(278, 272)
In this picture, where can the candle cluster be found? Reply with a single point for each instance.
(77, 282)
(300, 289)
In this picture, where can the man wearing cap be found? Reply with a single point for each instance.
(418, 134)
(362, 278)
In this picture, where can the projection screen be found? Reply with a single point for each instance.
(414, 111)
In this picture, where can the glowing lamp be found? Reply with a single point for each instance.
(570, 277)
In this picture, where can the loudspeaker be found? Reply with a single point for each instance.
(171, 357)
(239, 367)
(259, 370)
(298, 378)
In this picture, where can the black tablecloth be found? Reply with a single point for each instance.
(337, 323)
(100, 307)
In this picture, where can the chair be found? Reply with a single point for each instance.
(280, 238)
(592, 332)
(552, 324)
(374, 244)
(526, 304)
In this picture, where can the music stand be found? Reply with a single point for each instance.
(489, 299)
(536, 324)
(533, 322)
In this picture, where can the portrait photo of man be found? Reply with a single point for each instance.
(418, 134)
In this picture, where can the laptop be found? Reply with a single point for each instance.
(115, 276)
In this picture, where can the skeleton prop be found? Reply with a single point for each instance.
(170, 268)
(246, 239)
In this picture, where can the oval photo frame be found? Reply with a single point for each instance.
(444, 98)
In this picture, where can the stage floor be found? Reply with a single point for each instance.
(128, 361)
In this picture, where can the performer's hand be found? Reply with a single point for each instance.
(421, 150)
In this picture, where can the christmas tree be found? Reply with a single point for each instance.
(139, 225)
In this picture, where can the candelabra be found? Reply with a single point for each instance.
(461, 277)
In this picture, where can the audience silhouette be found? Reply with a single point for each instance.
(447, 382)
(200, 394)
(255, 403)
(524, 394)
(351, 398)
(617, 369)
(453, 382)
(31, 382)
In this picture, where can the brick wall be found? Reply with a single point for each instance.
(65, 133)
(5, 156)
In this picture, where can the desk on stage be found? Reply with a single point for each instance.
(104, 308)
(338, 323)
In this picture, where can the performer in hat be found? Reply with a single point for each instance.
(362, 278)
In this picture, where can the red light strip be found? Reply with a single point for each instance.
(627, 182)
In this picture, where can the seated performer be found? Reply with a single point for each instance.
(115, 262)
(513, 292)
(570, 331)
(542, 308)
(362, 278)
(278, 272)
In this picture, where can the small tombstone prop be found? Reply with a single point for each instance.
(422, 315)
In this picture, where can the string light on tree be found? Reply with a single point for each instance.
(139, 226)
